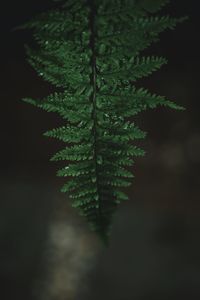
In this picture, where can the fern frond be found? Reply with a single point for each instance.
(91, 51)
(134, 69)
(71, 134)
(78, 152)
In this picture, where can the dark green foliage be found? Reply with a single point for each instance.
(91, 51)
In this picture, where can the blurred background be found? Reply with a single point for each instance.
(46, 249)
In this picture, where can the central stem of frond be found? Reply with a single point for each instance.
(93, 82)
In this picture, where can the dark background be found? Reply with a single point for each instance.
(46, 251)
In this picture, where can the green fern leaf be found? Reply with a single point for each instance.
(92, 52)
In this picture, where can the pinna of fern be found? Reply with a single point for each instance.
(90, 51)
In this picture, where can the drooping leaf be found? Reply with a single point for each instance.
(91, 51)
